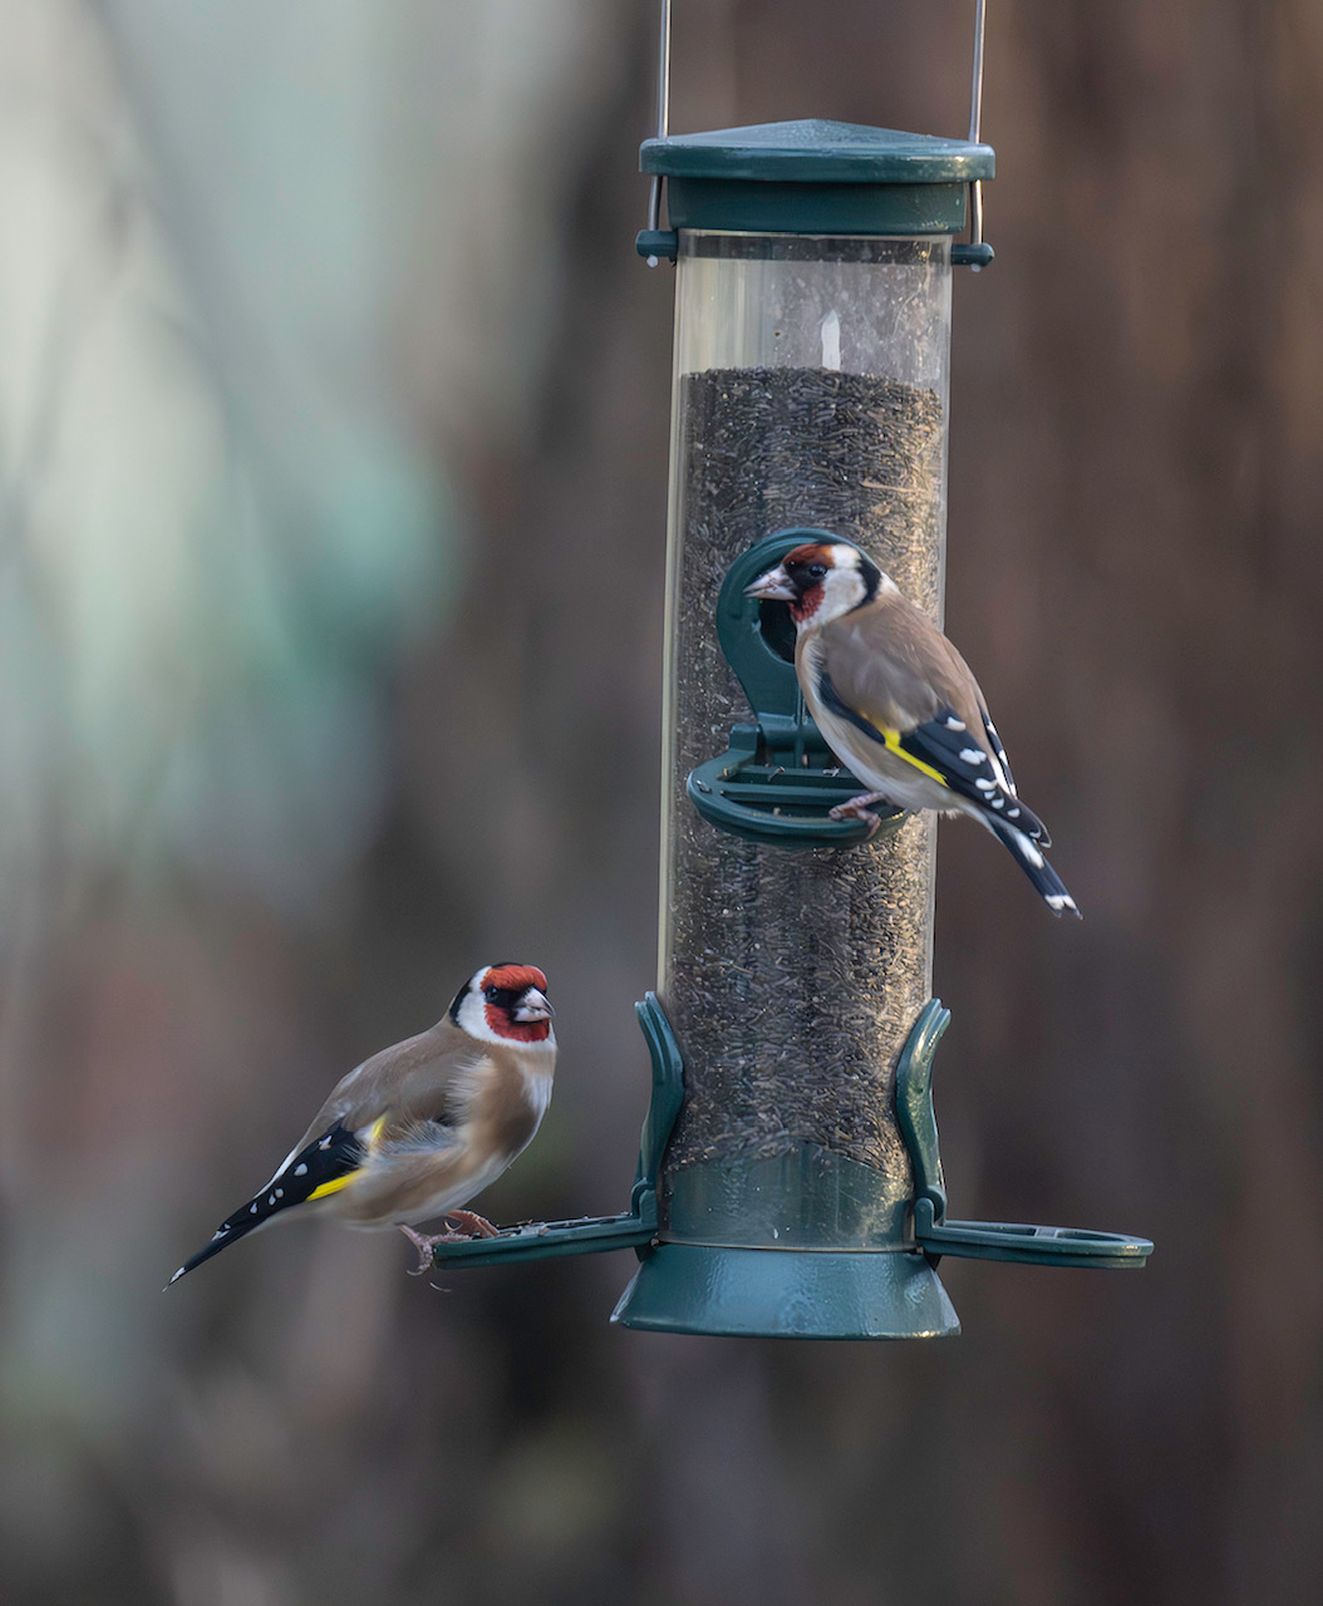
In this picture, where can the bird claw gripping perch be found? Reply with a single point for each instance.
(778, 782)
(858, 809)
(471, 1226)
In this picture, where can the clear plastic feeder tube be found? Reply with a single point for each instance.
(810, 388)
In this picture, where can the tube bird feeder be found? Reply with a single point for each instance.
(789, 1182)
(801, 1193)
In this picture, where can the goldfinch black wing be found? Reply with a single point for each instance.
(943, 749)
(967, 767)
(321, 1167)
(994, 742)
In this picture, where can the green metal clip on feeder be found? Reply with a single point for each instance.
(789, 1182)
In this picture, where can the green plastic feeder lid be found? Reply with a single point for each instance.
(814, 151)
(816, 177)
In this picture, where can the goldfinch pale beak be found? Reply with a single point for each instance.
(534, 1005)
(774, 586)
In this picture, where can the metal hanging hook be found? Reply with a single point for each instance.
(973, 253)
(976, 121)
(663, 119)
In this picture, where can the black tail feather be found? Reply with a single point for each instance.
(256, 1213)
(1048, 884)
(1023, 817)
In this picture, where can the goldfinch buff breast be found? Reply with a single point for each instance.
(415, 1132)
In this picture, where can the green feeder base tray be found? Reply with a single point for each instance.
(786, 1293)
(800, 1246)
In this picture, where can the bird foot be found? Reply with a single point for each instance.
(857, 809)
(474, 1225)
(425, 1243)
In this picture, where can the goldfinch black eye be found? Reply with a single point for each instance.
(491, 994)
(817, 570)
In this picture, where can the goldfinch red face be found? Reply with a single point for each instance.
(820, 581)
(505, 1003)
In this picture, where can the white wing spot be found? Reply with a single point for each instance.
(324, 1144)
(997, 802)
(252, 1208)
(1013, 814)
(985, 785)
(300, 1170)
(954, 724)
(973, 755)
(271, 1198)
(280, 1193)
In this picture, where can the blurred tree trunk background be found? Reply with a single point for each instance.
(333, 426)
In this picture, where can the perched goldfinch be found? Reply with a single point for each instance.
(419, 1129)
(897, 703)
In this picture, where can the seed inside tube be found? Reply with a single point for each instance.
(793, 977)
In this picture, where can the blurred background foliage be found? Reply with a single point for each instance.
(333, 416)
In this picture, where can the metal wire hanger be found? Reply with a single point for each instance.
(973, 253)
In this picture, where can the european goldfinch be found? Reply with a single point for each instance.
(897, 703)
(417, 1130)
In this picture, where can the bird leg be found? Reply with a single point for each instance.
(857, 809)
(475, 1226)
(426, 1244)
